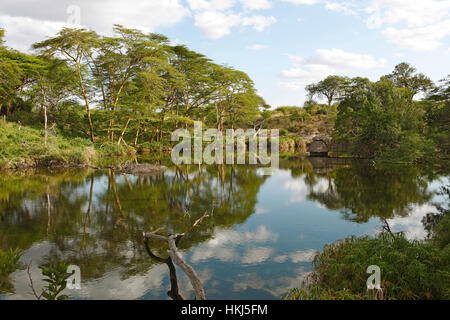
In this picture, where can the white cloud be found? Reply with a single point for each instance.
(415, 13)
(257, 255)
(326, 62)
(342, 60)
(216, 24)
(32, 20)
(259, 23)
(256, 4)
(297, 257)
(412, 224)
(343, 7)
(216, 18)
(179, 42)
(419, 39)
(214, 5)
(223, 246)
(298, 189)
(418, 25)
(262, 210)
(22, 32)
(307, 2)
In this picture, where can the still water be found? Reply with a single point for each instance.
(259, 241)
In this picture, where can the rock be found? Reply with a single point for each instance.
(142, 169)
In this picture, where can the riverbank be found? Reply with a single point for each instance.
(24, 147)
(409, 270)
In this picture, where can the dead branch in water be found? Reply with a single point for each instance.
(174, 292)
(175, 256)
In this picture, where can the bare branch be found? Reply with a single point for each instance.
(175, 256)
(31, 282)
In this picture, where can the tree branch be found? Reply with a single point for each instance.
(175, 256)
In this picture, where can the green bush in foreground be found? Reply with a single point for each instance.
(409, 270)
(9, 262)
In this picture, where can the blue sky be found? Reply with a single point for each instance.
(282, 44)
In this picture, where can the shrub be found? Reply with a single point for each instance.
(409, 269)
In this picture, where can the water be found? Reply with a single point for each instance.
(258, 243)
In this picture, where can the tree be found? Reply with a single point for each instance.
(381, 121)
(438, 115)
(2, 35)
(75, 46)
(54, 84)
(230, 86)
(120, 60)
(405, 76)
(329, 88)
(197, 88)
(17, 71)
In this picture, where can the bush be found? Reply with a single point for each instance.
(9, 262)
(409, 269)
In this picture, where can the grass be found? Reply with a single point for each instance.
(410, 270)
(23, 147)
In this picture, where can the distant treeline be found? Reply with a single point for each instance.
(134, 89)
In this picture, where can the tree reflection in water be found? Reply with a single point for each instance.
(362, 191)
(95, 219)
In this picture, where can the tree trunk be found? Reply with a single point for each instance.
(137, 136)
(88, 109)
(45, 117)
(45, 125)
(123, 131)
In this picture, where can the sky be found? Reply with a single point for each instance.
(283, 45)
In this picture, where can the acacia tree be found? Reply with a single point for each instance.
(54, 84)
(329, 88)
(230, 86)
(17, 71)
(405, 76)
(196, 69)
(75, 47)
(120, 60)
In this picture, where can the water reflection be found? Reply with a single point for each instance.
(258, 243)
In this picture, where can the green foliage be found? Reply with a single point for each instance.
(382, 121)
(55, 275)
(9, 262)
(295, 123)
(144, 88)
(330, 88)
(363, 192)
(317, 292)
(24, 146)
(438, 116)
(409, 269)
(438, 224)
(404, 76)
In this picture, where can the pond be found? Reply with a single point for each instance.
(259, 241)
